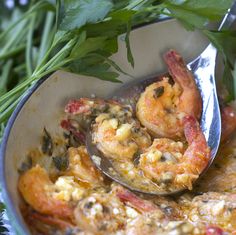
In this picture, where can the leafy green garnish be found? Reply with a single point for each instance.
(129, 53)
(158, 92)
(47, 143)
(225, 42)
(78, 13)
(197, 13)
(26, 165)
(80, 36)
(61, 162)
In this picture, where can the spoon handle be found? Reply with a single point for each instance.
(229, 18)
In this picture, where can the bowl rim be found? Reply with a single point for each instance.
(15, 220)
(7, 200)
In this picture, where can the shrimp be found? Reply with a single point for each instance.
(162, 106)
(215, 208)
(170, 165)
(148, 217)
(153, 218)
(86, 106)
(114, 130)
(82, 168)
(37, 189)
(51, 198)
(42, 223)
(223, 169)
(147, 224)
(100, 213)
(143, 206)
(109, 212)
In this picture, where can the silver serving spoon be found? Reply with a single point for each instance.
(203, 68)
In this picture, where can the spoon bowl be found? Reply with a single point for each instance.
(203, 69)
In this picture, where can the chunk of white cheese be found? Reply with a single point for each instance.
(123, 132)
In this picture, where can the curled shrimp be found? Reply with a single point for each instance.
(114, 130)
(170, 165)
(141, 205)
(153, 217)
(162, 106)
(53, 202)
(109, 212)
(166, 110)
(215, 208)
(100, 213)
(37, 190)
(42, 223)
(81, 167)
(54, 199)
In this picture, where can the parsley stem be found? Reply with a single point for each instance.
(28, 56)
(16, 38)
(134, 4)
(4, 78)
(12, 52)
(19, 68)
(16, 89)
(58, 57)
(37, 6)
(46, 38)
(8, 111)
(9, 101)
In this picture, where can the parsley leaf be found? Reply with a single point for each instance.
(197, 13)
(61, 162)
(78, 13)
(129, 53)
(225, 42)
(89, 45)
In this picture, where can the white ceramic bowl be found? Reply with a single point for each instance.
(44, 103)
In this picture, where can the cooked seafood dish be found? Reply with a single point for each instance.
(158, 145)
(177, 153)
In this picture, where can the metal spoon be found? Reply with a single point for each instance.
(203, 68)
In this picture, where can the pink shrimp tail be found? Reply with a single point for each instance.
(177, 67)
(192, 129)
(50, 220)
(135, 201)
(198, 152)
(190, 100)
(213, 230)
(77, 107)
(66, 124)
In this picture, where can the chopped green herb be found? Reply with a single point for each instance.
(61, 162)
(47, 143)
(158, 92)
(26, 165)
(73, 141)
(136, 158)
